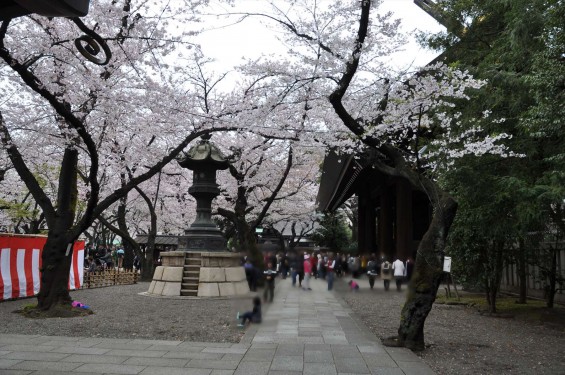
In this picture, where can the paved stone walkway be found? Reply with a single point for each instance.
(303, 332)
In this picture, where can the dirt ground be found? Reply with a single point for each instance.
(462, 341)
(459, 340)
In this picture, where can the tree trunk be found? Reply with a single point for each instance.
(494, 275)
(428, 272)
(522, 273)
(248, 242)
(552, 278)
(55, 271)
(58, 250)
(147, 262)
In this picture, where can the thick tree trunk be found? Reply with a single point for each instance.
(147, 262)
(426, 278)
(58, 250)
(55, 271)
(248, 242)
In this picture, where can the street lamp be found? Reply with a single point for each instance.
(89, 45)
(50, 8)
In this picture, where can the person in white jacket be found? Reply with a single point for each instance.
(399, 272)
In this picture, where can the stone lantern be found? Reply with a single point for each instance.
(204, 159)
(201, 266)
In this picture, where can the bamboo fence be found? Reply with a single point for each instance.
(109, 278)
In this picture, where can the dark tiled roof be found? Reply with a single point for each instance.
(159, 240)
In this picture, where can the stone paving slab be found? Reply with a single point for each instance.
(303, 332)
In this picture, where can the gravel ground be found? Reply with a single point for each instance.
(460, 341)
(120, 312)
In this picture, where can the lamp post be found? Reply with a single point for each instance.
(204, 159)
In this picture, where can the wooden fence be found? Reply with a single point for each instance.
(535, 281)
(109, 278)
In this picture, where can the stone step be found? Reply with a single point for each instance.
(192, 262)
(194, 273)
(189, 286)
(190, 280)
(189, 293)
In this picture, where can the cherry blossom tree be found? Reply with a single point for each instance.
(386, 116)
(92, 124)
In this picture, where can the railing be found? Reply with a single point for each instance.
(109, 278)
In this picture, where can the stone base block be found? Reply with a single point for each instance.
(212, 274)
(173, 258)
(151, 286)
(208, 290)
(241, 288)
(171, 289)
(173, 274)
(226, 289)
(158, 274)
(159, 286)
(220, 259)
(235, 274)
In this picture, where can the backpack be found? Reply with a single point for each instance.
(386, 268)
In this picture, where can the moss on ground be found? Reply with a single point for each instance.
(58, 311)
(533, 311)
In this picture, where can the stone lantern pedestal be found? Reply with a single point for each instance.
(202, 266)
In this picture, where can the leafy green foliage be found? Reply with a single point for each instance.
(517, 46)
(333, 232)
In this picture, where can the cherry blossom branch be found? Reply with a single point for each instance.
(33, 82)
(270, 200)
(25, 174)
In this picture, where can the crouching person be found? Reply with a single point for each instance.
(253, 316)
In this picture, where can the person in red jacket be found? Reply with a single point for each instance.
(307, 272)
(314, 264)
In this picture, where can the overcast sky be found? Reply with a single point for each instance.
(248, 39)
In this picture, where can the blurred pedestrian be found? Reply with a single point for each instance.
(399, 273)
(386, 273)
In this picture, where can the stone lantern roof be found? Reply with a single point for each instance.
(205, 153)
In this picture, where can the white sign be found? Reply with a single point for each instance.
(447, 264)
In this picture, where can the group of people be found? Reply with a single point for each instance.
(301, 267)
(398, 270)
(101, 258)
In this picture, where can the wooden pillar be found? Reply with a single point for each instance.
(362, 220)
(403, 220)
(367, 221)
(385, 224)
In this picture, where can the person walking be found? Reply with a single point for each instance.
(314, 264)
(307, 272)
(409, 268)
(372, 270)
(293, 264)
(386, 273)
(270, 273)
(399, 273)
(250, 274)
(120, 253)
(330, 267)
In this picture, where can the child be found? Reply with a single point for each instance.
(354, 286)
(253, 316)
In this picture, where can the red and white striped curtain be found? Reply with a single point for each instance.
(20, 261)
